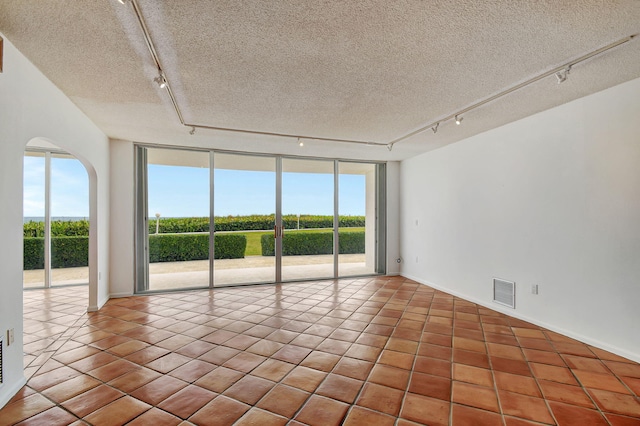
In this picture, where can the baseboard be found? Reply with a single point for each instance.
(509, 312)
(119, 295)
(96, 308)
(10, 391)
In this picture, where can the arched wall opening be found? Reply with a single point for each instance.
(90, 273)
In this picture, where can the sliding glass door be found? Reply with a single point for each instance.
(357, 215)
(56, 220)
(208, 219)
(70, 221)
(244, 217)
(177, 219)
(308, 199)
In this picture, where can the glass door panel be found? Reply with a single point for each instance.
(69, 221)
(177, 218)
(244, 216)
(307, 216)
(34, 214)
(357, 209)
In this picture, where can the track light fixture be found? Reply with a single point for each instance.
(390, 146)
(161, 81)
(192, 131)
(435, 128)
(300, 143)
(563, 75)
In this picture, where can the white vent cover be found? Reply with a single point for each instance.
(504, 292)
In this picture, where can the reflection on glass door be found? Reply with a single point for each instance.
(357, 208)
(244, 217)
(177, 219)
(307, 216)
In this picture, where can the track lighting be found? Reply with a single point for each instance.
(563, 75)
(192, 131)
(560, 72)
(161, 81)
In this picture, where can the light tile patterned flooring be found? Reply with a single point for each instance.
(372, 351)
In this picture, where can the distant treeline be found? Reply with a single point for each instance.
(169, 225)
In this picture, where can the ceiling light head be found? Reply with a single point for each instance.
(458, 120)
(192, 131)
(161, 81)
(435, 128)
(300, 143)
(390, 146)
(563, 75)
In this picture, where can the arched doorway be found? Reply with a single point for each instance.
(58, 218)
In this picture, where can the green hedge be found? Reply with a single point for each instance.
(69, 252)
(250, 223)
(201, 224)
(66, 252)
(182, 247)
(311, 243)
(59, 228)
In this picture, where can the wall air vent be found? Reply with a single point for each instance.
(504, 292)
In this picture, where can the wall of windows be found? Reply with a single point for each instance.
(207, 219)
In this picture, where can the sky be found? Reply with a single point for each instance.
(184, 191)
(69, 188)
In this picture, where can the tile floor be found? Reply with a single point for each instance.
(374, 351)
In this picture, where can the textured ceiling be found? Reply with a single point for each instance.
(370, 70)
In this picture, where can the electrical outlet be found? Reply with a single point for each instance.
(534, 289)
(10, 337)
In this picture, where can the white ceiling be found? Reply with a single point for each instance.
(369, 70)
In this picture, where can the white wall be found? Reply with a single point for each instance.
(30, 107)
(393, 217)
(122, 218)
(553, 200)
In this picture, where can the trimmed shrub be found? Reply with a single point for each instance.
(312, 243)
(230, 246)
(250, 223)
(69, 252)
(182, 247)
(201, 224)
(33, 252)
(351, 242)
(66, 252)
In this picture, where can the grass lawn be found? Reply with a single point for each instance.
(253, 238)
